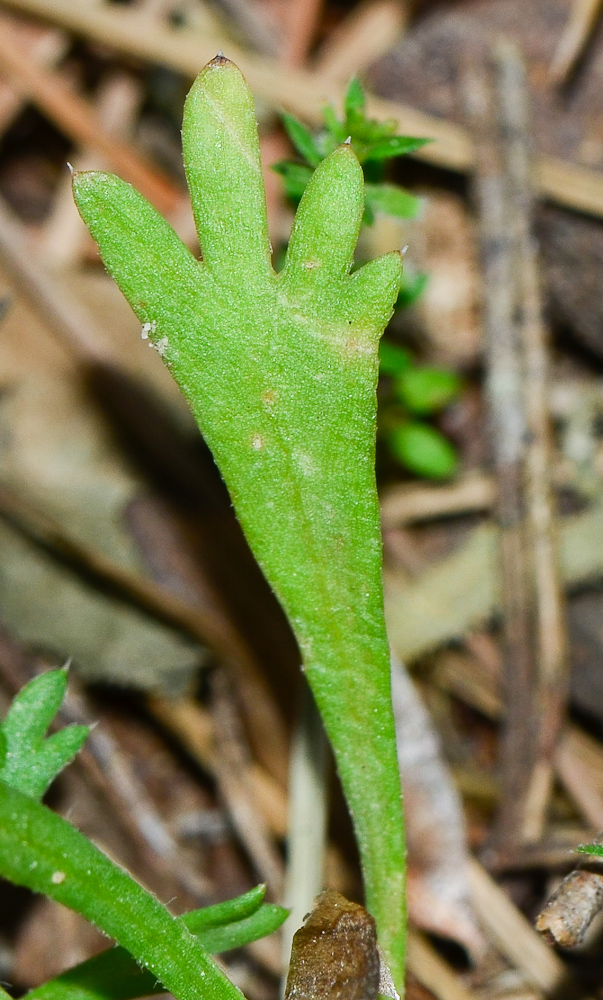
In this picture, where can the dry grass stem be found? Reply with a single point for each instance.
(581, 23)
(301, 92)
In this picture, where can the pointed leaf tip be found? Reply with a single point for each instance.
(219, 60)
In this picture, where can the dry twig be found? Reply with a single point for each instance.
(366, 34)
(513, 935)
(79, 120)
(517, 363)
(576, 35)
(404, 504)
(302, 92)
(231, 767)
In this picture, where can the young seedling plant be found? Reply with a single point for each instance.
(280, 370)
(43, 852)
(410, 393)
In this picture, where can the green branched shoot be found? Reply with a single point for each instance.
(374, 142)
(43, 852)
(412, 392)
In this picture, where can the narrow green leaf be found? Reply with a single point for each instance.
(334, 126)
(114, 975)
(267, 919)
(302, 139)
(398, 145)
(221, 151)
(33, 709)
(369, 131)
(320, 257)
(238, 908)
(427, 390)
(596, 850)
(41, 851)
(354, 98)
(392, 200)
(423, 450)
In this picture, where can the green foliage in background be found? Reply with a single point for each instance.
(43, 852)
(410, 394)
(415, 392)
(374, 143)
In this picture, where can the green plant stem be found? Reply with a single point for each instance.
(41, 851)
(114, 975)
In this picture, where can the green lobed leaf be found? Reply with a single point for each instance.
(31, 762)
(302, 139)
(423, 450)
(41, 851)
(392, 200)
(114, 975)
(280, 371)
(427, 390)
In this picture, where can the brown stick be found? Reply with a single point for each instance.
(576, 35)
(507, 425)
(300, 28)
(79, 120)
(301, 92)
(64, 235)
(65, 317)
(231, 767)
(193, 726)
(46, 46)
(549, 640)
(405, 504)
(371, 30)
(517, 361)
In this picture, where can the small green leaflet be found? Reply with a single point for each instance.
(31, 762)
(595, 850)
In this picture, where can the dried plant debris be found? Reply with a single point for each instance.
(424, 71)
(432, 610)
(439, 897)
(52, 452)
(334, 954)
(571, 909)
